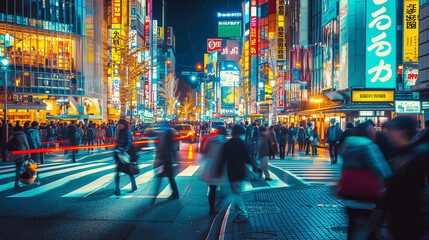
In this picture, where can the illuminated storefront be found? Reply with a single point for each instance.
(49, 57)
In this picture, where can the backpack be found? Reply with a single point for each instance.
(12, 144)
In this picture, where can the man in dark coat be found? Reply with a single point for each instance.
(71, 134)
(235, 157)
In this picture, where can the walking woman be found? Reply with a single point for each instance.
(124, 145)
(165, 156)
(314, 140)
(211, 154)
(19, 142)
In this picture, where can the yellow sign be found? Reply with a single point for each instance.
(281, 30)
(411, 31)
(161, 33)
(373, 96)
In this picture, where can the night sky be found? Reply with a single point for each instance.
(193, 21)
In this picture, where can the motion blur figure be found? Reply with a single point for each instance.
(165, 156)
(265, 147)
(407, 190)
(235, 156)
(211, 154)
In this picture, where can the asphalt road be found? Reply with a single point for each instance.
(76, 201)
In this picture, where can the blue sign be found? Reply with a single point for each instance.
(380, 44)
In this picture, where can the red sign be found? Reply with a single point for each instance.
(253, 28)
(214, 45)
(146, 94)
(116, 14)
(281, 97)
(147, 30)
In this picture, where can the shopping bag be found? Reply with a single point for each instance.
(356, 184)
(31, 167)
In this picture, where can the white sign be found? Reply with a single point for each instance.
(408, 107)
(229, 78)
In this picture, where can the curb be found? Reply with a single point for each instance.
(217, 223)
(224, 223)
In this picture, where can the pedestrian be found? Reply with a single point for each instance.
(282, 139)
(50, 136)
(253, 140)
(422, 131)
(308, 133)
(26, 126)
(73, 136)
(101, 133)
(124, 145)
(65, 133)
(301, 137)
(211, 155)
(90, 137)
(333, 135)
(291, 139)
(314, 140)
(265, 147)
(17, 142)
(165, 155)
(275, 146)
(235, 157)
(406, 191)
(33, 138)
(348, 132)
(363, 173)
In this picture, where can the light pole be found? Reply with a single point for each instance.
(4, 65)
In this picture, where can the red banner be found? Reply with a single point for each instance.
(281, 97)
(214, 45)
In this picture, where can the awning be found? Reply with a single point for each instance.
(26, 106)
(347, 108)
(79, 117)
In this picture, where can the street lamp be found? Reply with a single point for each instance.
(193, 78)
(317, 100)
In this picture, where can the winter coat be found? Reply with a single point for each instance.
(265, 146)
(212, 154)
(235, 156)
(282, 138)
(166, 153)
(307, 132)
(101, 132)
(362, 153)
(23, 145)
(333, 134)
(316, 138)
(33, 138)
(301, 134)
(109, 131)
(292, 135)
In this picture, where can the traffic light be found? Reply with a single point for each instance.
(199, 67)
(193, 78)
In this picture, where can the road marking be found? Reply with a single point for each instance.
(58, 183)
(276, 181)
(96, 185)
(189, 171)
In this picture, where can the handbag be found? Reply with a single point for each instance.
(363, 185)
(124, 157)
(134, 168)
(31, 167)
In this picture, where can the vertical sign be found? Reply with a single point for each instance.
(281, 30)
(381, 44)
(411, 31)
(147, 31)
(281, 97)
(253, 28)
(116, 14)
(115, 81)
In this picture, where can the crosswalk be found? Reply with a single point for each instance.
(311, 174)
(97, 178)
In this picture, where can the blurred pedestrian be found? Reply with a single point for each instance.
(252, 139)
(422, 131)
(73, 137)
(165, 155)
(124, 146)
(291, 139)
(332, 136)
(282, 139)
(90, 137)
(265, 146)
(301, 137)
(33, 138)
(363, 173)
(314, 140)
(348, 132)
(275, 144)
(407, 190)
(211, 156)
(17, 142)
(235, 157)
(101, 133)
(308, 133)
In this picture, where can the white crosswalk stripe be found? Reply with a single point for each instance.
(311, 174)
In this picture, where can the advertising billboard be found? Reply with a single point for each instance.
(373, 96)
(410, 77)
(229, 28)
(380, 44)
(411, 31)
(281, 95)
(227, 95)
(328, 60)
(281, 30)
(229, 78)
(214, 45)
(408, 107)
(230, 51)
(253, 28)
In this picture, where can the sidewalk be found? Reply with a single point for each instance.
(293, 213)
